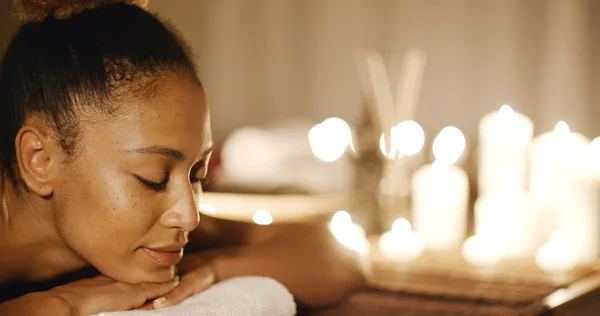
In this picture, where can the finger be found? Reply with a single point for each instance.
(192, 283)
(146, 307)
(154, 290)
(136, 295)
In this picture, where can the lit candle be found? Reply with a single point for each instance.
(483, 250)
(400, 243)
(509, 217)
(580, 219)
(262, 217)
(504, 139)
(348, 233)
(440, 194)
(552, 156)
(557, 255)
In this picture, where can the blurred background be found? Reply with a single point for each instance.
(535, 200)
(268, 60)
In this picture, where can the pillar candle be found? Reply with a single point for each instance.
(580, 204)
(400, 243)
(483, 250)
(504, 139)
(551, 160)
(440, 194)
(509, 218)
(557, 256)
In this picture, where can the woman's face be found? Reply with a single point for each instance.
(126, 201)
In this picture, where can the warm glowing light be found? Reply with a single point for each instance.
(557, 255)
(482, 250)
(262, 217)
(329, 140)
(341, 218)
(353, 237)
(351, 145)
(557, 238)
(401, 226)
(339, 127)
(595, 143)
(506, 113)
(408, 137)
(595, 147)
(562, 129)
(400, 243)
(449, 145)
(208, 208)
(348, 233)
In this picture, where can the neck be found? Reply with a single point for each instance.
(31, 245)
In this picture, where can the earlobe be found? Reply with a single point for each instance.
(36, 159)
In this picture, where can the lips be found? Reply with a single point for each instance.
(165, 256)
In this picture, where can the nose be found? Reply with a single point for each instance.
(183, 214)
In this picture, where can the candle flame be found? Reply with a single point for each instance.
(347, 233)
(449, 145)
(562, 129)
(341, 217)
(506, 112)
(262, 217)
(401, 226)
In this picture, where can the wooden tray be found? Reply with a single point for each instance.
(444, 284)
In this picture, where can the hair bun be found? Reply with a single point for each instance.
(38, 10)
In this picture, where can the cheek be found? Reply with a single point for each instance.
(101, 212)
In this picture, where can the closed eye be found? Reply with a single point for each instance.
(155, 186)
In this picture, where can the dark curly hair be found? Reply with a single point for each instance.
(82, 55)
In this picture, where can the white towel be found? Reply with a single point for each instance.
(241, 296)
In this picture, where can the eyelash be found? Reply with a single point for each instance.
(153, 185)
(162, 185)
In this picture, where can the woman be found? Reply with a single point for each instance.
(105, 139)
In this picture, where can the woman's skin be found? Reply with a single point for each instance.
(125, 203)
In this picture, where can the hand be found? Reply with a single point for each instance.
(196, 276)
(103, 294)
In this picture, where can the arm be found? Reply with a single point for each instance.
(305, 258)
(35, 304)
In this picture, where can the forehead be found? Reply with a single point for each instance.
(175, 116)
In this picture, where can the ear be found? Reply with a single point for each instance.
(39, 159)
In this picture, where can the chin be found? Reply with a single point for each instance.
(144, 275)
(135, 271)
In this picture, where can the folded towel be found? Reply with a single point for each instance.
(241, 296)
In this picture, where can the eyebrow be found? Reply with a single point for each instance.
(167, 151)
